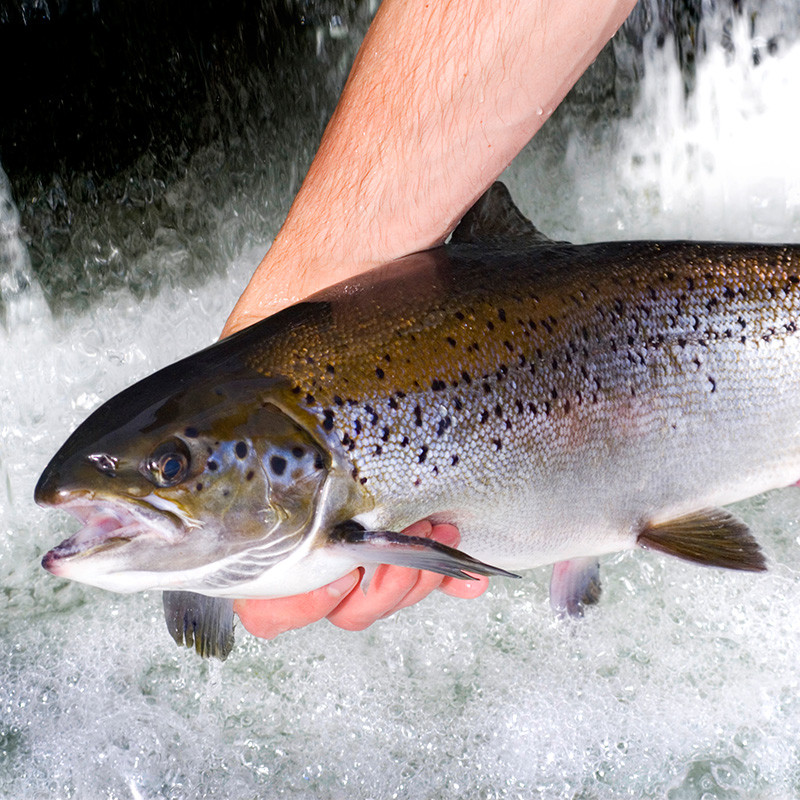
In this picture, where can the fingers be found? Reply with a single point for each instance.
(391, 587)
(348, 605)
(467, 590)
(269, 618)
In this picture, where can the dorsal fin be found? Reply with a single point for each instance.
(495, 217)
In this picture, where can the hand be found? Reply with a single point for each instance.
(346, 605)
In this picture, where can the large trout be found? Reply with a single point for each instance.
(555, 402)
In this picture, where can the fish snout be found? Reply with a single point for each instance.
(46, 492)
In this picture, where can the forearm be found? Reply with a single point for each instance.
(441, 97)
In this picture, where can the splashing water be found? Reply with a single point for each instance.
(682, 683)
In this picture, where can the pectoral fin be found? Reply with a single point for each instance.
(575, 584)
(205, 623)
(713, 537)
(387, 547)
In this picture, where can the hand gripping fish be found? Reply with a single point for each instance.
(555, 402)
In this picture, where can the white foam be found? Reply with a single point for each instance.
(682, 683)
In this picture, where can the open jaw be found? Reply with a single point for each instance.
(108, 525)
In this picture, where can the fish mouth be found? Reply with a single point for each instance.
(108, 525)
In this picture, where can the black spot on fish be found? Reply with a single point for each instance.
(532, 408)
(713, 384)
(486, 388)
(298, 452)
(318, 462)
(438, 385)
(423, 454)
(490, 325)
(363, 481)
(226, 492)
(459, 315)
(241, 449)
(330, 369)
(466, 378)
(454, 460)
(378, 450)
(199, 487)
(451, 341)
(444, 424)
(387, 358)
(357, 426)
(501, 314)
(392, 403)
(498, 444)
(191, 433)
(327, 422)
(404, 442)
(483, 417)
(400, 395)
(457, 404)
(498, 410)
(250, 475)
(277, 464)
(212, 465)
(310, 399)
(418, 416)
(385, 434)
(338, 400)
(380, 373)
(296, 390)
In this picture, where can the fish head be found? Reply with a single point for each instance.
(174, 486)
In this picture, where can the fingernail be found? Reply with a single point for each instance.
(340, 587)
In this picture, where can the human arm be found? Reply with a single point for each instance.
(441, 97)
(346, 604)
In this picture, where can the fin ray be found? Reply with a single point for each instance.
(205, 623)
(495, 217)
(416, 552)
(713, 537)
(575, 584)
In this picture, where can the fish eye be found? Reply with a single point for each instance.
(168, 464)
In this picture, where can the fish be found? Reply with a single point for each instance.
(556, 402)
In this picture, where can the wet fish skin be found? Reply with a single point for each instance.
(555, 401)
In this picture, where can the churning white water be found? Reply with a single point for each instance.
(682, 683)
